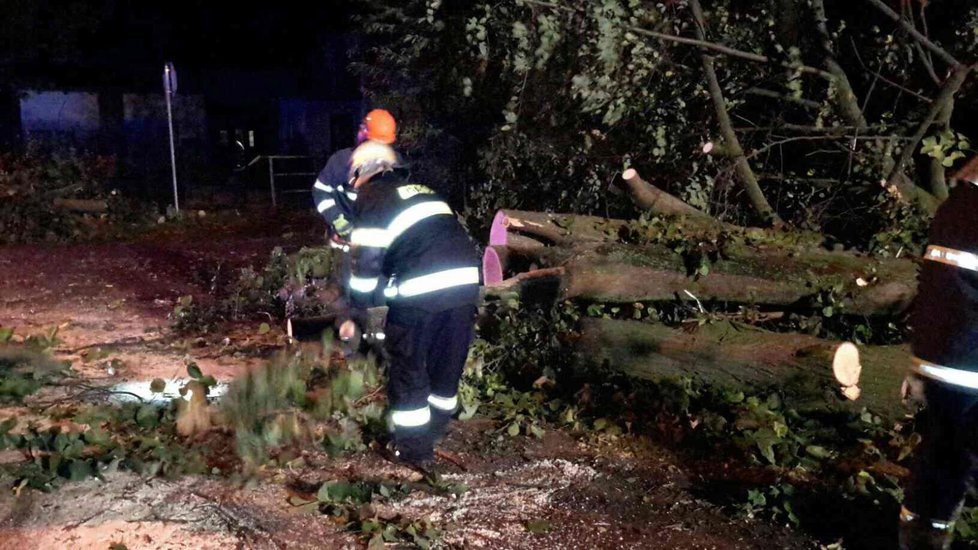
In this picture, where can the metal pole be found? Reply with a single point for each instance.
(271, 179)
(173, 152)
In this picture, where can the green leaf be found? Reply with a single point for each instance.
(468, 411)
(376, 542)
(208, 381)
(819, 452)
(264, 328)
(194, 371)
(513, 430)
(157, 385)
(79, 470)
(7, 425)
(6, 333)
(539, 526)
(536, 431)
(146, 416)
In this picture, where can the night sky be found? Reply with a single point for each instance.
(85, 43)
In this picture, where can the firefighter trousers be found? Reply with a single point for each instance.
(427, 352)
(945, 461)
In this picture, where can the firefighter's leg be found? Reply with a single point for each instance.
(407, 335)
(446, 360)
(942, 469)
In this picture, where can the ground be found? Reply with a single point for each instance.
(560, 491)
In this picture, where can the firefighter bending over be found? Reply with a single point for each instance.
(409, 234)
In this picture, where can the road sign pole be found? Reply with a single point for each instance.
(169, 88)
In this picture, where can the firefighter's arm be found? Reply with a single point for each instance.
(325, 193)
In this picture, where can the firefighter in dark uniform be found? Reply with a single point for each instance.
(407, 233)
(945, 372)
(332, 193)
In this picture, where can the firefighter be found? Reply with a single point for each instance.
(407, 233)
(945, 371)
(331, 192)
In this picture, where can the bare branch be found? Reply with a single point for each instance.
(744, 171)
(775, 95)
(726, 50)
(885, 80)
(939, 51)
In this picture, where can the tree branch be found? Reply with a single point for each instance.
(846, 101)
(927, 201)
(885, 80)
(775, 95)
(938, 176)
(728, 51)
(747, 177)
(939, 51)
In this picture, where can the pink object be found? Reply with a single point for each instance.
(497, 233)
(492, 268)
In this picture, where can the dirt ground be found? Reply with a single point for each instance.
(115, 298)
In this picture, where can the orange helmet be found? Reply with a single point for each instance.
(380, 126)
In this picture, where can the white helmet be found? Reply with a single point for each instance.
(370, 159)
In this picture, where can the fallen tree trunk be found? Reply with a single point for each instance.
(723, 354)
(620, 273)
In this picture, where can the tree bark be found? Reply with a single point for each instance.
(846, 101)
(743, 358)
(744, 171)
(559, 229)
(619, 273)
(657, 201)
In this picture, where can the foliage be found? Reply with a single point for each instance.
(558, 97)
(301, 397)
(288, 283)
(26, 364)
(31, 182)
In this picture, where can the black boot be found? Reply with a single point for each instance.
(917, 533)
(439, 424)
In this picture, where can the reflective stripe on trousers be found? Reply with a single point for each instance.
(949, 256)
(955, 377)
(447, 404)
(411, 419)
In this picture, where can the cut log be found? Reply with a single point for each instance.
(628, 273)
(726, 355)
(695, 222)
(559, 229)
(658, 201)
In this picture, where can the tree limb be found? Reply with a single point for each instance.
(728, 51)
(744, 171)
(939, 51)
(938, 177)
(927, 201)
(885, 80)
(775, 95)
(845, 96)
